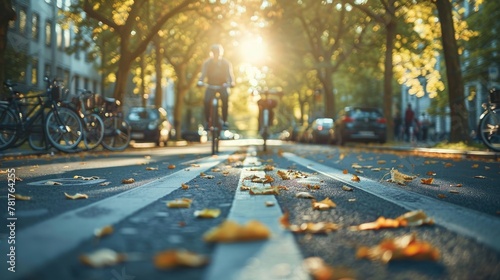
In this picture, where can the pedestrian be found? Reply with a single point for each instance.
(409, 122)
(425, 123)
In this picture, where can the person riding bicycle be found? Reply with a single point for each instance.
(219, 72)
(266, 103)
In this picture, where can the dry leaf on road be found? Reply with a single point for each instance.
(76, 196)
(178, 258)
(405, 247)
(207, 213)
(104, 231)
(21, 197)
(102, 257)
(180, 203)
(264, 191)
(325, 204)
(304, 195)
(230, 231)
(128, 181)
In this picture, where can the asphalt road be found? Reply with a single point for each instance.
(52, 232)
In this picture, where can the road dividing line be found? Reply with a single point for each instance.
(45, 241)
(276, 258)
(471, 223)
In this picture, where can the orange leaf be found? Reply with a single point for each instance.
(171, 166)
(180, 203)
(230, 231)
(128, 181)
(100, 232)
(427, 181)
(325, 204)
(355, 178)
(345, 171)
(178, 258)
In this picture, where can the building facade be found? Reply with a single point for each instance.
(38, 34)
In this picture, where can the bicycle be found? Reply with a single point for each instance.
(87, 105)
(489, 121)
(116, 128)
(214, 119)
(43, 123)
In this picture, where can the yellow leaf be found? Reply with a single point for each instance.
(184, 186)
(325, 204)
(355, 178)
(21, 197)
(230, 231)
(102, 258)
(100, 232)
(180, 203)
(76, 196)
(178, 258)
(405, 247)
(304, 195)
(264, 191)
(128, 181)
(207, 213)
(346, 188)
(427, 181)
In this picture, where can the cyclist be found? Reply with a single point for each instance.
(219, 72)
(266, 103)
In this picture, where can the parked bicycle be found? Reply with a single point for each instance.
(116, 128)
(39, 119)
(489, 121)
(87, 104)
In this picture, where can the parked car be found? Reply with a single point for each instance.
(200, 135)
(321, 130)
(365, 124)
(149, 125)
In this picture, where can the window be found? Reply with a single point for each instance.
(23, 18)
(59, 34)
(77, 83)
(66, 78)
(35, 33)
(67, 38)
(86, 83)
(48, 33)
(34, 72)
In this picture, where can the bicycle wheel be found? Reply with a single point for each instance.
(215, 126)
(93, 131)
(64, 129)
(116, 134)
(8, 127)
(489, 129)
(36, 138)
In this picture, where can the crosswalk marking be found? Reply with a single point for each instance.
(276, 258)
(456, 218)
(53, 237)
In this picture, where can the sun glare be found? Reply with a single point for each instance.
(253, 50)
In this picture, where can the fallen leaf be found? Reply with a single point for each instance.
(104, 183)
(244, 188)
(427, 181)
(178, 258)
(400, 178)
(102, 257)
(319, 270)
(101, 232)
(355, 178)
(53, 183)
(431, 173)
(345, 171)
(171, 166)
(351, 200)
(128, 181)
(264, 191)
(381, 161)
(180, 203)
(151, 168)
(207, 213)
(347, 189)
(480, 177)
(268, 168)
(230, 231)
(475, 165)
(269, 203)
(314, 228)
(441, 196)
(76, 196)
(412, 218)
(448, 164)
(184, 186)
(454, 191)
(21, 197)
(304, 195)
(405, 247)
(325, 204)
(457, 185)
(85, 178)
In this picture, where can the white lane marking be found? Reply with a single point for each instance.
(474, 224)
(276, 258)
(42, 242)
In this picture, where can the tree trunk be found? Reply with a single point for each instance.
(458, 113)
(178, 108)
(124, 65)
(388, 76)
(159, 72)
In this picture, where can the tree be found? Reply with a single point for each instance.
(128, 20)
(458, 113)
(7, 14)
